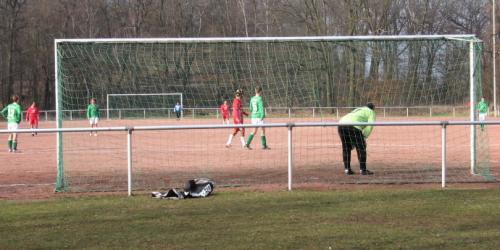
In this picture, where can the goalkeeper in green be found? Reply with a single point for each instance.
(354, 137)
(482, 108)
(13, 114)
(257, 114)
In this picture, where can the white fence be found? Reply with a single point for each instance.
(283, 112)
(289, 126)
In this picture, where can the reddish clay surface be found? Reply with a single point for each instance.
(163, 159)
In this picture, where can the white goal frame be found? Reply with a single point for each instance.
(151, 94)
(471, 39)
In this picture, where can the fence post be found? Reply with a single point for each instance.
(443, 154)
(313, 113)
(144, 110)
(384, 112)
(430, 111)
(129, 161)
(46, 116)
(119, 114)
(453, 111)
(337, 112)
(407, 113)
(71, 115)
(169, 113)
(290, 154)
(193, 113)
(217, 113)
(289, 113)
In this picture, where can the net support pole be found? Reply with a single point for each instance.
(60, 182)
(290, 154)
(472, 104)
(443, 154)
(129, 161)
(494, 33)
(107, 106)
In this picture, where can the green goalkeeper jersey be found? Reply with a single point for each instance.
(13, 113)
(257, 107)
(92, 111)
(363, 114)
(482, 107)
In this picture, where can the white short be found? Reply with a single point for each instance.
(482, 116)
(93, 120)
(257, 121)
(12, 126)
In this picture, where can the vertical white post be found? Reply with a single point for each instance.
(129, 161)
(193, 113)
(290, 153)
(59, 162)
(169, 113)
(71, 115)
(472, 104)
(144, 110)
(494, 34)
(430, 111)
(384, 112)
(337, 112)
(443, 155)
(217, 113)
(289, 113)
(182, 108)
(107, 106)
(313, 113)
(119, 114)
(407, 112)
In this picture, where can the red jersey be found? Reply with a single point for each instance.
(224, 109)
(238, 111)
(32, 114)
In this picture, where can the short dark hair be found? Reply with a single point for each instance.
(15, 98)
(371, 106)
(258, 89)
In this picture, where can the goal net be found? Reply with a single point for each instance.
(156, 105)
(439, 71)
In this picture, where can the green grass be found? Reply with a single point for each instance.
(380, 219)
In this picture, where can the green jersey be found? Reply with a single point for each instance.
(482, 106)
(13, 113)
(92, 111)
(363, 114)
(257, 107)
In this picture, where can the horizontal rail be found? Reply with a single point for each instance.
(268, 125)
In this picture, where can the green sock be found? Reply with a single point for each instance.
(263, 140)
(9, 142)
(250, 138)
(14, 145)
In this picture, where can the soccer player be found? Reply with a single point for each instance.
(13, 115)
(32, 116)
(224, 110)
(237, 118)
(482, 108)
(258, 115)
(354, 136)
(93, 114)
(178, 110)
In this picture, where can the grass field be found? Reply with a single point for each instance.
(375, 219)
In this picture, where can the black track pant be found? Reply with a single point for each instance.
(352, 137)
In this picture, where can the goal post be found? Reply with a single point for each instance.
(322, 71)
(148, 101)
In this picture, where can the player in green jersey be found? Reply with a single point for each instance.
(482, 108)
(93, 114)
(354, 137)
(257, 114)
(13, 114)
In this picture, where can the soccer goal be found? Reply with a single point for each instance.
(330, 71)
(137, 105)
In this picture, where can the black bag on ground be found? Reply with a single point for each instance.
(196, 188)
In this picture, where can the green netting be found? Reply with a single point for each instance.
(393, 73)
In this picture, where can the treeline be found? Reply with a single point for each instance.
(28, 27)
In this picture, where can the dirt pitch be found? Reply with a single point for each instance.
(162, 159)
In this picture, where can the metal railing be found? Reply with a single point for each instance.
(289, 126)
(283, 112)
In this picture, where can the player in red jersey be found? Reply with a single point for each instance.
(32, 116)
(224, 110)
(237, 118)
